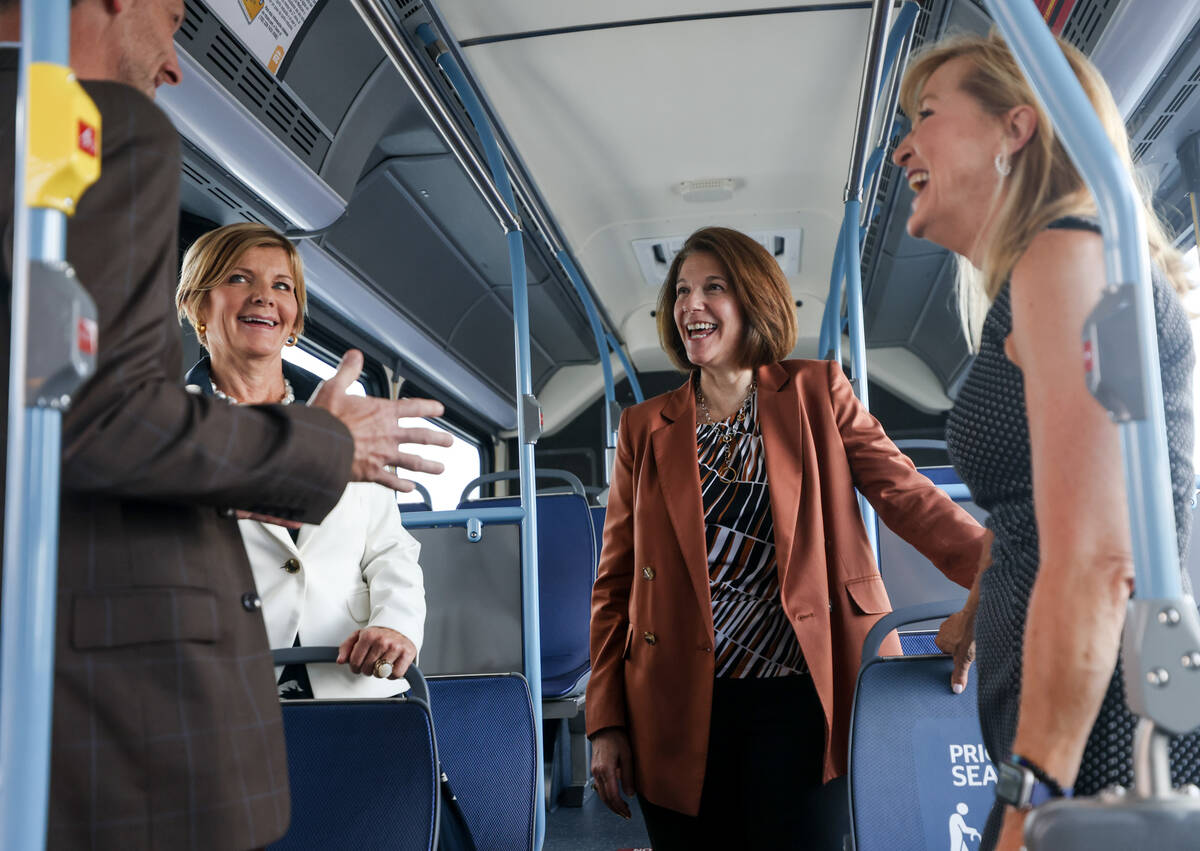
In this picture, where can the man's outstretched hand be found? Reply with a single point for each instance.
(373, 423)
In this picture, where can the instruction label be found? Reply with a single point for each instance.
(266, 27)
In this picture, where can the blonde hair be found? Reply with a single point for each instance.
(1043, 184)
(207, 265)
(758, 284)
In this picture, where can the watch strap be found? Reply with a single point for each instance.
(1049, 787)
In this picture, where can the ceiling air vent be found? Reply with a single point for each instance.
(654, 255)
(221, 54)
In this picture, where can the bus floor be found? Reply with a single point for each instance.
(594, 827)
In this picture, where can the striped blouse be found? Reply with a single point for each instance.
(753, 635)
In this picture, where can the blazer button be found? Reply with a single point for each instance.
(648, 572)
(251, 602)
(291, 565)
(651, 638)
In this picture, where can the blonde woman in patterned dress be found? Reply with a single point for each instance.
(736, 583)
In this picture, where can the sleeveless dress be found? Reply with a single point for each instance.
(987, 434)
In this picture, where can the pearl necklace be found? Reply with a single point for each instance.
(726, 473)
(288, 395)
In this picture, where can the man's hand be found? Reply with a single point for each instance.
(374, 427)
(374, 644)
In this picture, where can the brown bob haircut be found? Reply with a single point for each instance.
(207, 265)
(758, 284)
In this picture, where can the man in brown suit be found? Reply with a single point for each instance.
(167, 731)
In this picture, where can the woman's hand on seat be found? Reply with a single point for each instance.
(956, 636)
(612, 769)
(365, 647)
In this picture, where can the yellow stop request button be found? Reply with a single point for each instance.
(63, 159)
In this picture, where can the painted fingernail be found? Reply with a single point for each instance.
(957, 688)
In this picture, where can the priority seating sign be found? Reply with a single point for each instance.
(956, 782)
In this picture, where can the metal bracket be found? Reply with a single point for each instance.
(63, 331)
(1162, 662)
(1112, 359)
(474, 530)
(532, 413)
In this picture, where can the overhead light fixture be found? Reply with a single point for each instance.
(707, 189)
(216, 123)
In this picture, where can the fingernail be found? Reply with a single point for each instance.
(957, 688)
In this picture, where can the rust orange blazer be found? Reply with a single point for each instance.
(652, 629)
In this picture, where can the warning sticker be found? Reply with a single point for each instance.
(266, 27)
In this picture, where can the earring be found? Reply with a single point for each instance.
(291, 340)
(1003, 166)
(201, 328)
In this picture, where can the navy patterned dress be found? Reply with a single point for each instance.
(988, 438)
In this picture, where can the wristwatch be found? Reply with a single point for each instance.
(1022, 784)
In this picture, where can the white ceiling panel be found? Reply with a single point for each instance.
(472, 19)
(610, 121)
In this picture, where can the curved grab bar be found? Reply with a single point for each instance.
(1126, 261)
(901, 617)
(508, 475)
(319, 654)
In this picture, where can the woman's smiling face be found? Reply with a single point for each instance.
(254, 310)
(708, 316)
(949, 158)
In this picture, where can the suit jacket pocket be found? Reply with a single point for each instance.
(143, 616)
(869, 595)
(359, 605)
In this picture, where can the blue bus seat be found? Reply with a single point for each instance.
(349, 761)
(598, 527)
(566, 572)
(919, 643)
(487, 748)
(918, 767)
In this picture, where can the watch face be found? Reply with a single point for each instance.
(1010, 784)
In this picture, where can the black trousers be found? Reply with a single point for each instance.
(762, 780)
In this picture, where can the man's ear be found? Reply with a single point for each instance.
(1020, 123)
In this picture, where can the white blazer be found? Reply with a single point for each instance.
(358, 568)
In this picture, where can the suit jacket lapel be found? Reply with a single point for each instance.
(780, 421)
(679, 479)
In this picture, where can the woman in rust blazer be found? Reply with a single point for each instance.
(736, 583)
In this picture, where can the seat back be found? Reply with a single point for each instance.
(426, 503)
(911, 578)
(566, 571)
(473, 601)
(918, 768)
(487, 747)
(349, 761)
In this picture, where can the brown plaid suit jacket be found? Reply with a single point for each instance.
(167, 731)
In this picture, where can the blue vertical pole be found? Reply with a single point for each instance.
(852, 266)
(531, 615)
(31, 488)
(634, 384)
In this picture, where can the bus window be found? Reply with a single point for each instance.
(462, 460)
(311, 363)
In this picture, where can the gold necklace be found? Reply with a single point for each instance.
(726, 473)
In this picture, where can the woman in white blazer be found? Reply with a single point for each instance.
(352, 581)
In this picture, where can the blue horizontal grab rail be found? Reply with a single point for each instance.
(461, 516)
